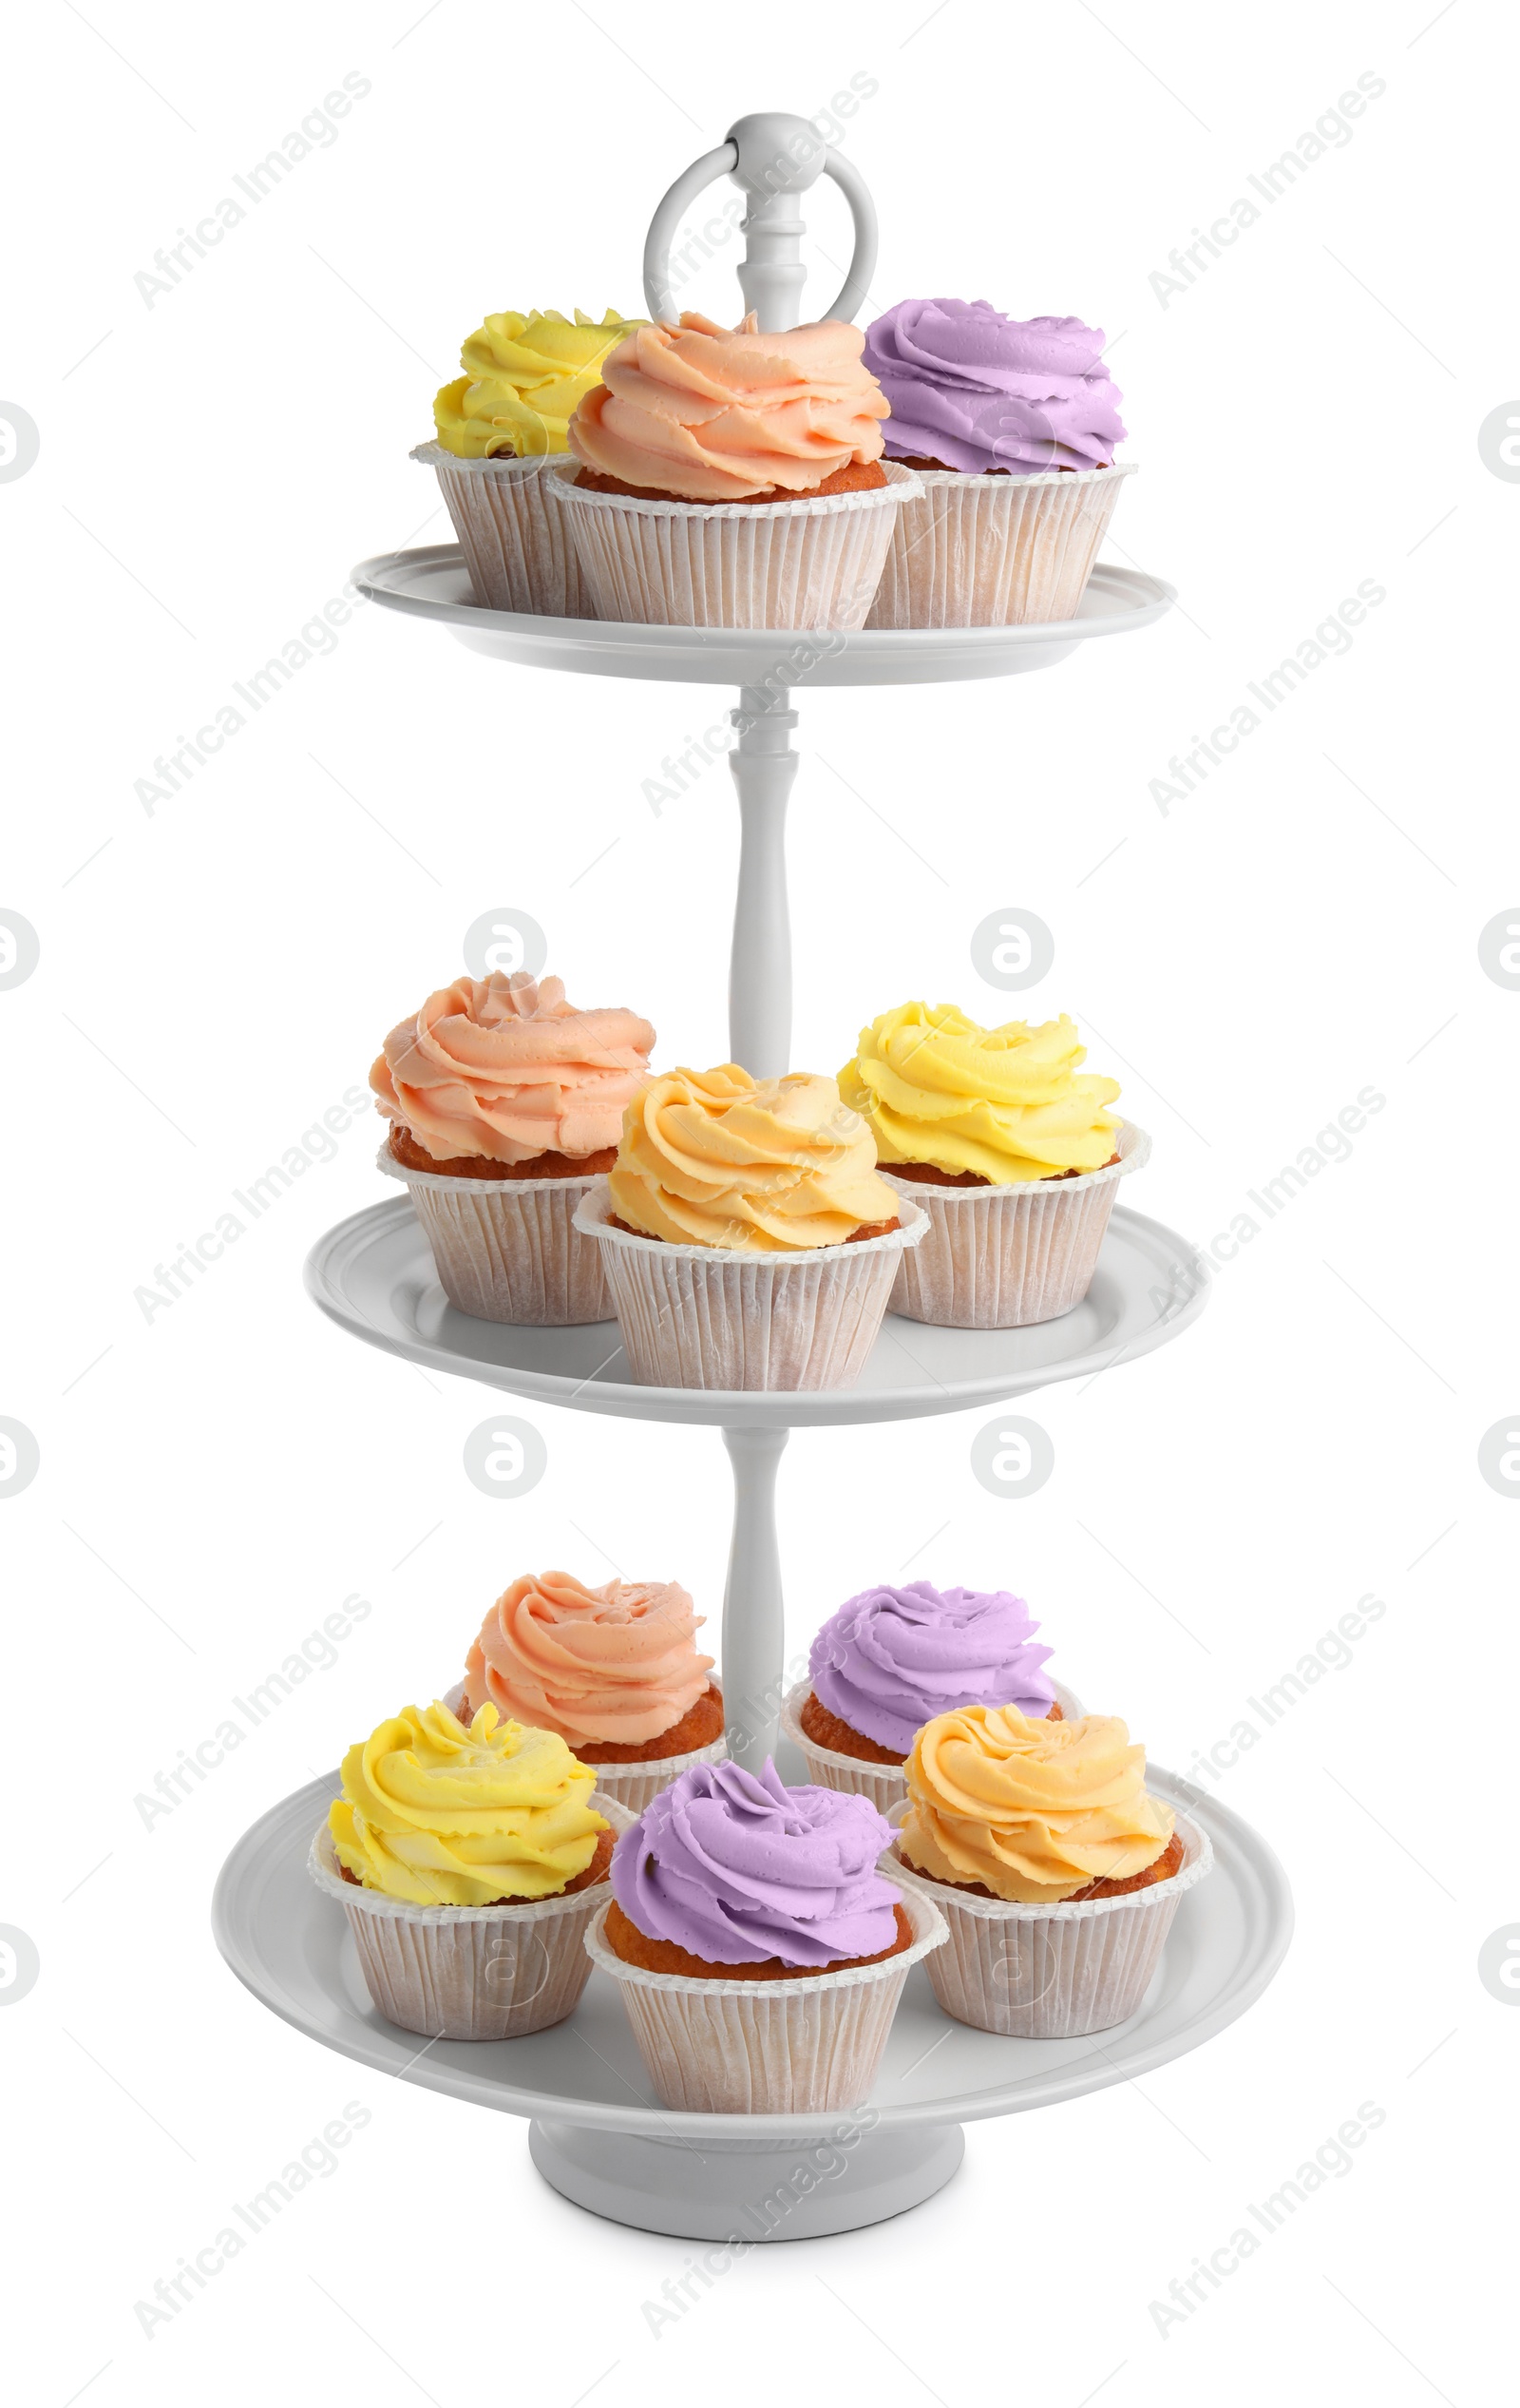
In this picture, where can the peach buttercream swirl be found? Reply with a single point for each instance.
(505, 1067)
(709, 415)
(710, 1158)
(614, 1663)
(1032, 1811)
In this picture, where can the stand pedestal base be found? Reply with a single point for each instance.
(748, 2191)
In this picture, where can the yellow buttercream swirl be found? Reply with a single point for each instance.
(709, 1157)
(444, 1815)
(1032, 1811)
(523, 377)
(1010, 1103)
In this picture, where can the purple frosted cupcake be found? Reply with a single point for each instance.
(892, 1659)
(759, 1952)
(1012, 426)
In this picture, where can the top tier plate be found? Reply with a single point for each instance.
(433, 583)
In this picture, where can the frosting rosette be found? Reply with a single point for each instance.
(892, 1659)
(733, 1867)
(1032, 1811)
(1008, 1103)
(981, 391)
(713, 1157)
(505, 1067)
(444, 1815)
(707, 414)
(594, 1665)
(525, 375)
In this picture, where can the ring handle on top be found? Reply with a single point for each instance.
(773, 158)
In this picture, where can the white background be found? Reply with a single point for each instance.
(216, 973)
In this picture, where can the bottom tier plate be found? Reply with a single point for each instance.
(598, 2135)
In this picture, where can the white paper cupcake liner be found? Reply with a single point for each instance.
(995, 552)
(807, 564)
(519, 552)
(509, 1249)
(1005, 1257)
(702, 1317)
(1052, 1972)
(885, 1784)
(767, 2048)
(632, 1785)
(468, 1973)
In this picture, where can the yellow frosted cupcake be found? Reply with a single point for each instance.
(468, 1860)
(1058, 1871)
(746, 1237)
(497, 425)
(1011, 1149)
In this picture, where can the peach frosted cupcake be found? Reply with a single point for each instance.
(470, 1859)
(504, 1103)
(1011, 426)
(498, 426)
(1011, 1149)
(746, 1236)
(759, 1952)
(1057, 1871)
(892, 1659)
(615, 1671)
(731, 479)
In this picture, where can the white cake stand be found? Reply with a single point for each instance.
(595, 2134)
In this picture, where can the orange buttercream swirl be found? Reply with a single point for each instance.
(708, 415)
(505, 1067)
(710, 1158)
(614, 1663)
(1032, 1811)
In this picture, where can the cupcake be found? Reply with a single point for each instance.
(1009, 1148)
(891, 1659)
(747, 1239)
(1010, 426)
(1057, 1871)
(504, 1103)
(497, 425)
(470, 1859)
(731, 479)
(613, 1671)
(759, 1952)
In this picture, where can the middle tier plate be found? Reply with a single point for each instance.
(373, 1275)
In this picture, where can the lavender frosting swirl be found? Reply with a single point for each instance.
(981, 391)
(733, 1867)
(891, 1659)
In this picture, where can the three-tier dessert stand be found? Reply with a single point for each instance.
(597, 2134)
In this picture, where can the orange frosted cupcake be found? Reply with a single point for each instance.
(730, 478)
(615, 1671)
(1058, 1872)
(505, 1103)
(746, 1236)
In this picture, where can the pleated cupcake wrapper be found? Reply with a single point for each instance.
(520, 551)
(885, 1784)
(509, 1249)
(807, 564)
(704, 1318)
(767, 2048)
(1006, 1257)
(972, 552)
(632, 1785)
(468, 1973)
(1052, 1972)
